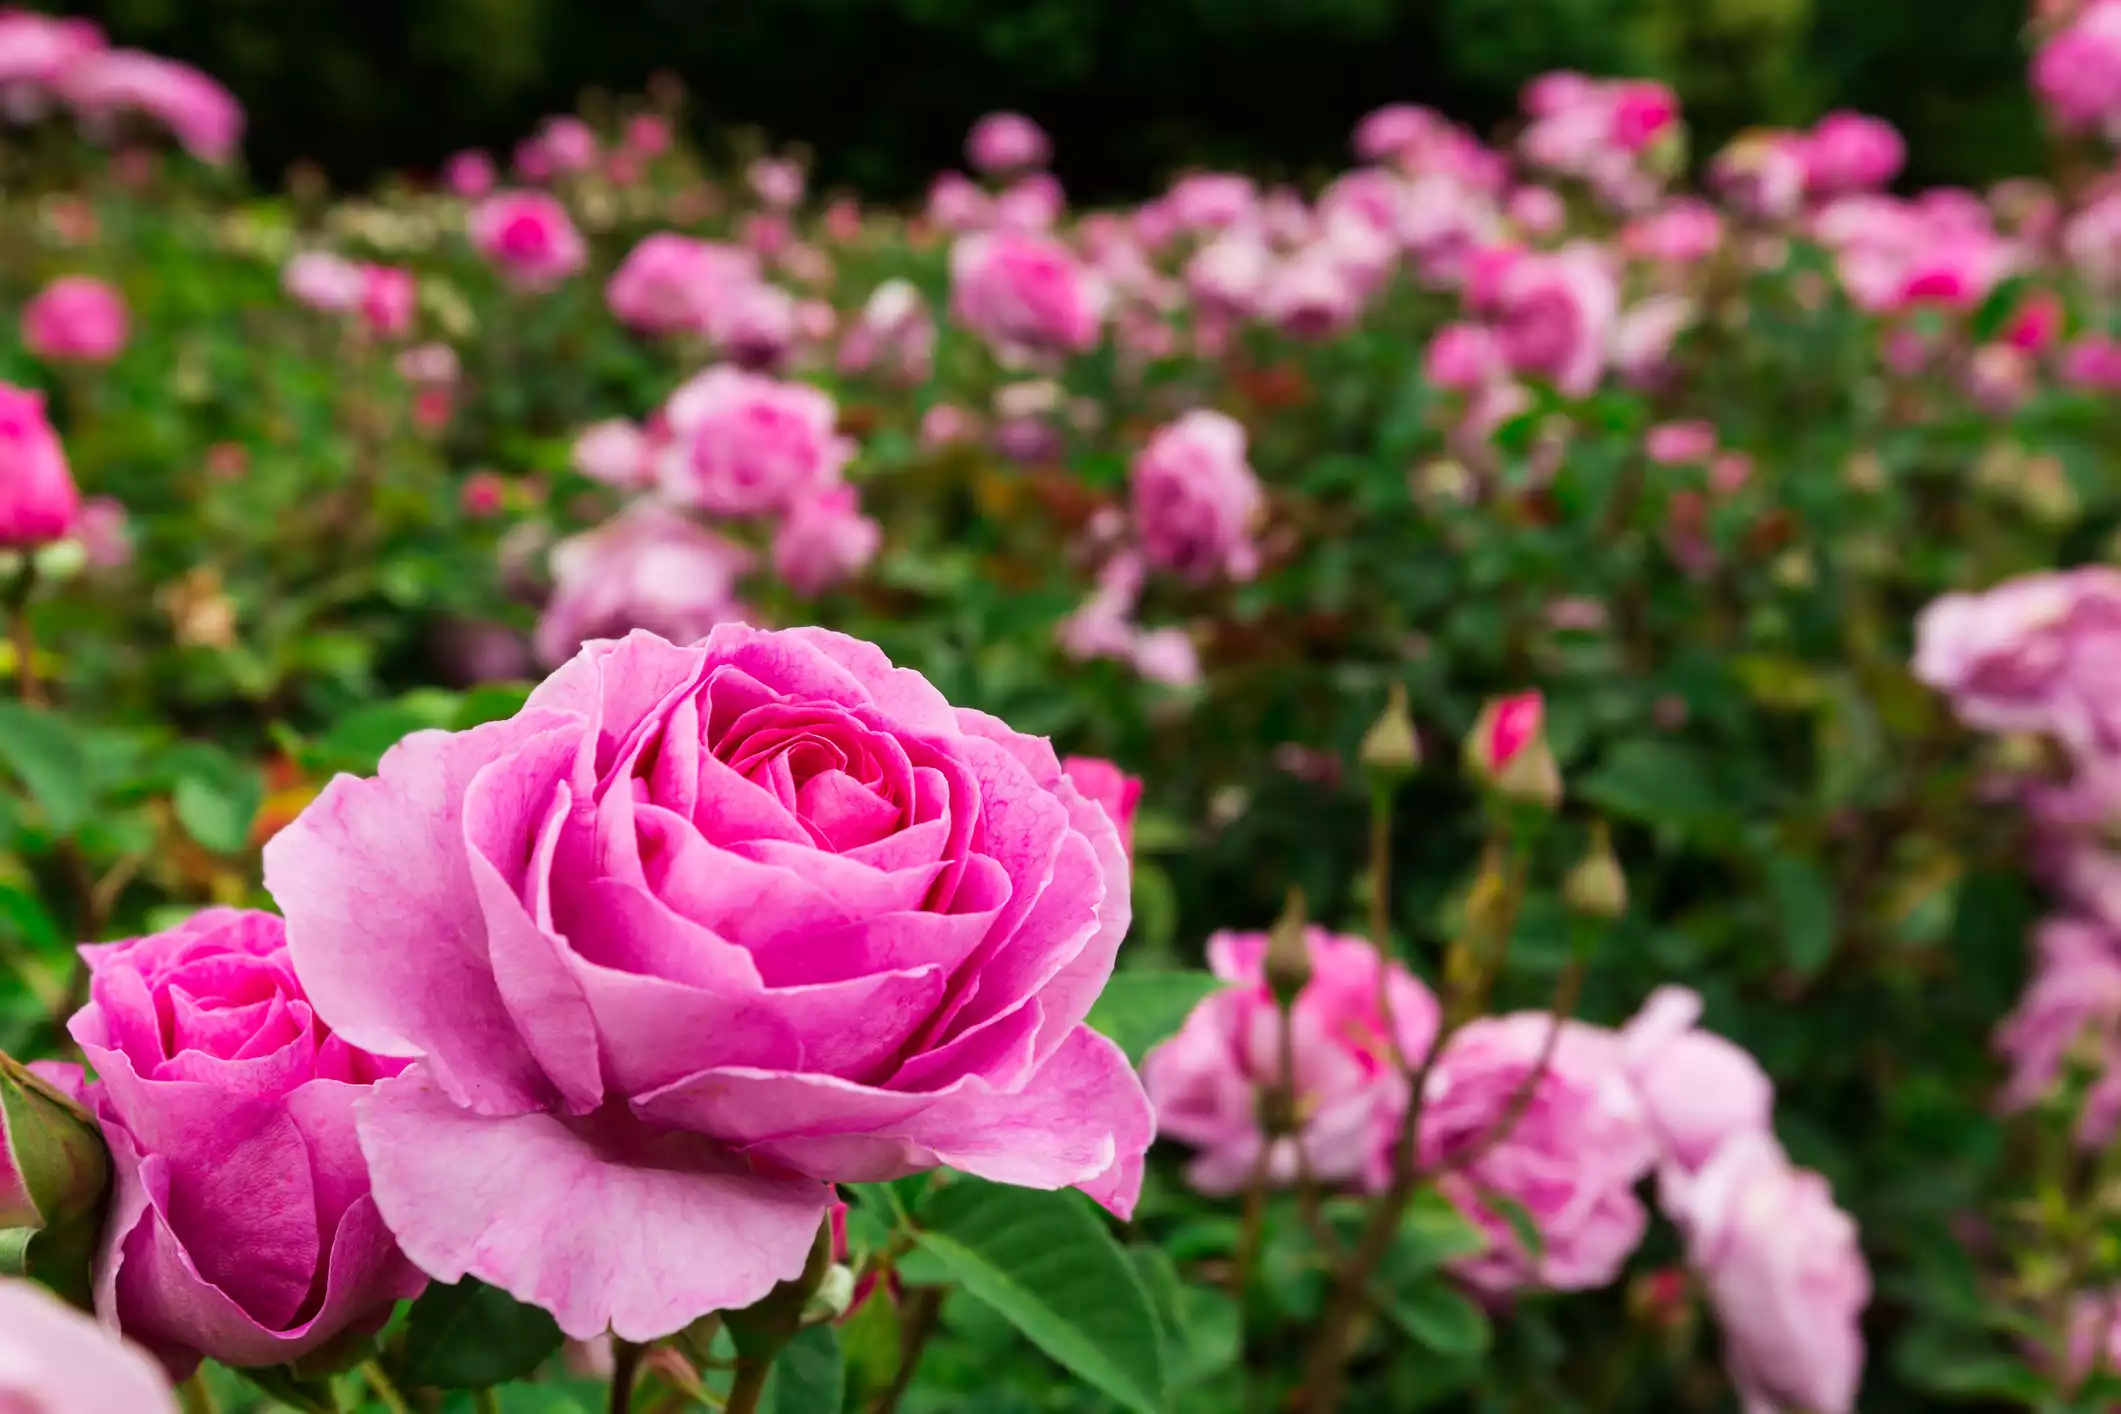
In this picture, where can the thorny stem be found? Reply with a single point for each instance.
(625, 1368)
(923, 1307)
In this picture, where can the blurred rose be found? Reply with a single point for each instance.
(648, 567)
(529, 236)
(105, 533)
(2076, 74)
(203, 116)
(1196, 498)
(647, 135)
(75, 319)
(2071, 1008)
(325, 281)
(776, 181)
(1697, 1090)
(484, 494)
(38, 501)
(1166, 655)
(2040, 653)
(1556, 316)
(1023, 290)
(470, 174)
(429, 364)
(53, 1359)
(824, 538)
(1680, 443)
(389, 299)
(1031, 203)
(569, 144)
(1537, 211)
(956, 203)
(673, 284)
(1396, 130)
(1850, 152)
(1006, 142)
(1678, 233)
(743, 444)
(615, 452)
(894, 337)
(1463, 358)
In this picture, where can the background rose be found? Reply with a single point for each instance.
(2035, 654)
(1697, 1090)
(1118, 793)
(1196, 498)
(698, 927)
(242, 1226)
(37, 496)
(54, 1360)
(673, 284)
(529, 235)
(1209, 1082)
(743, 443)
(75, 318)
(1025, 291)
(823, 538)
(647, 567)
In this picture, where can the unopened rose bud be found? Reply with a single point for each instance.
(1597, 887)
(1390, 751)
(1288, 964)
(1508, 751)
(54, 1175)
(833, 1295)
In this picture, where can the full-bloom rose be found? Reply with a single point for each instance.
(1698, 1090)
(2037, 654)
(35, 50)
(54, 1360)
(823, 538)
(1025, 291)
(744, 444)
(1346, 1066)
(647, 567)
(672, 284)
(1557, 312)
(1006, 142)
(529, 235)
(1196, 498)
(699, 932)
(1571, 1160)
(1785, 1275)
(37, 496)
(1113, 789)
(242, 1228)
(75, 319)
(2071, 1007)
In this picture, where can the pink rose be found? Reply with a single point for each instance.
(957, 203)
(1006, 142)
(1557, 313)
(2077, 73)
(672, 284)
(1312, 294)
(700, 932)
(324, 281)
(102, 527)
(1196, 498)
(1763, 172)
(1024, 290)
(647, 567)
(824, 538)
(1680, 443)
(1697, 1090)
(1463, 358)
(745, 444)
(1208, 1082)
(1785, 1275)
(1680, 232)
(615, 452)
(1116, 793)
(1851, 152)
(894, 337)
(528, 234)
(1571, 1161)
(1642, 110)
(1165, 655)
(37, 496)
(1031, 203)
(389, 300)
(202, 115)
(2036, 654)
(776, 181)
(1556, 92)
(1211, 201)
(569, 145)
(1644, 336)
(1230, 274)
(470, 174)
(2073, 1001)
(75, 319)
(1537, 211)
(35, 50)
(2092, 362)
(946, 423)
(429, 365)
(1395, 130)
(242, 1227)
(54, 1360)
(647, 135)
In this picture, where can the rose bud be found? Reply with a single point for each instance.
(54, 1175)
(1508, 750)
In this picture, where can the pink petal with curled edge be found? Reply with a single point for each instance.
(1068, 998)
(616, 683)
(1049, 939)
(747, 1107)
(601, 1221)
(910, 699)
(384, 922)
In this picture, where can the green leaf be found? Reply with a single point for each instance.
(219, 813)
(47, 758)
(472, 1335)
(1203, 1328)
(1053, 1271)
(23, 915)
(1654, 782)
(1804, 910)
(1433, 1233)
(808, 1376)
(493, 702)
(313, 1396)
(1140, 1009)
(1439, 1317)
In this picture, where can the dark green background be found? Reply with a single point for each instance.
(1132, 89)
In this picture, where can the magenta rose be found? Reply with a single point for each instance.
(647, 567)
(1698, 1090)
(390, 297)
(1557, 315)
(746, 444)
(2035, 654)
(242, 1228)
(1852, 152)
(672, 284)
(1196, 498)
(1785, 1275)
(1571, 1160)
(469, 174)
(54, 1360)
(701, 931)
(38, 501)
(75, 319)
(1350, 1091)
(529, 236)
(2077, 73)
(1025, 291)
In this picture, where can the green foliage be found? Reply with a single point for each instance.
(472, 1335)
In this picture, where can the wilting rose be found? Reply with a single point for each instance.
(242, 1228)
(75, 319)
(823, 538)
(1024, 290)
(1785, 1275)
(1209, 1082)
(745, 444)
(529, 236)
(1571, 1160)
(2034, 654)
(54, 1360)
(1196, 498)
(37, 496)
(1113, 789)
(1698, 1091)
(1006, 142)
(647, 567)
(699, 932)
(672, 284)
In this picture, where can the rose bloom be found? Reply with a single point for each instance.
(568, 144)
(2037, 653)
(1849, 152)
(389, 299)
(1229, 274)
(1537, 211)
(647, 135)
(54, 1360)
(1312, 294)
(1006, 142)
(1571, 1161)
(2077, 73)
(673, 284)
(1211, 201)
(1209, 1082)
(1196, 498)
(1697, 1090)
(469, 174)
(1031, 203)
(241, 1226)
(1785, 1275)
(1680, 232)
(1763, 173)
(324, 281)
(1644, 335)
(700, 932)
(203, 116)
(1680, 443)
(1116, 793)
(1556, 316)
(2092, 362)
(957, 203)
(1396, 130)
(2072, 1005)
(894, 337)
(648, 567)
(1463, 358)
(35, 50)
(75, 319)
(616, 452)
(38, 501)
(528, 234)
(745, 444)
(1023, 290)
(776, 181)
(824, 538)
